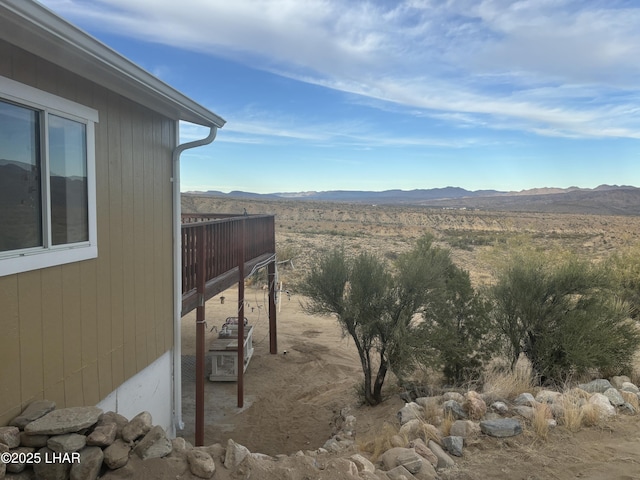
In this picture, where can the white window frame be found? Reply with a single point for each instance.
(16, 261)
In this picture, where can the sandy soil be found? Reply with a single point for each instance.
(292, 401)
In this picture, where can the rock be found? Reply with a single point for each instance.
(455, 396)
(155, 444)
(474, 405)
(629, 387)
(138, 426)
(398, 441)
(596, 386)
(619, 380)
(10, 436)
(235, 454)
(3, 466)
(425, 452)
(411, 411)
(614, 397)
(18, 467)
(464, 428)
(557, 409)
(36, 441)
(547, 396)
(201, 464)
(405, 457)
(116, 455)
(53, 470)
(35, 410)
(525, 399)
(500, 407)
(103, 435)
(426, 472)
(453, 445)
(444, 460)
(412, 429)
(453, 408)
(64, 420)
(501, 428)
(89, 466)
(362, 464)
(69, 442)
(429, 402)
(349, 425)
(399, 473)
(631, 398)
(180, 445)
(410, 460)
(524, 411)
(113, 417)
(628, 409)
(603, 405)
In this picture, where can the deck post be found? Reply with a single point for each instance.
(200, 319)
(241, 242)
(273, 336)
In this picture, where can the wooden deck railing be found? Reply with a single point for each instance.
(220, 236)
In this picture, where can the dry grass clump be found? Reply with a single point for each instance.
(501, 382)
(540, 421)
(381, 441)
(432, 413)
(447, 423)
(591, 415)
(571, 403)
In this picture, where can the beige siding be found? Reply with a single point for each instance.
(73, 333)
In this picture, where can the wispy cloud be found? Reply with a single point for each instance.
(553, 68)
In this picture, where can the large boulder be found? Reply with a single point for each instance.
(200, 463)
(501, 428)
(155, 444)
(599, 385)
(411, 411)
(89, 465)
(139, 425)
(64, 420)
(34, 411)
(474, 405)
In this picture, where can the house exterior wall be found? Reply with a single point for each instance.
(74, 333)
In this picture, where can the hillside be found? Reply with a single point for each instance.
(602, 200)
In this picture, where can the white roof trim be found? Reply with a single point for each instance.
(38, 30)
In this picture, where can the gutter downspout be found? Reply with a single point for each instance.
(177, 423)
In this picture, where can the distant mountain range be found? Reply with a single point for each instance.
(604, 199)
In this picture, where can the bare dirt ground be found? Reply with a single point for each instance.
(292, 401)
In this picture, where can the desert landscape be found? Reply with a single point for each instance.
(293, 401)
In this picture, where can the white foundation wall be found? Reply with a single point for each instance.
(149, 390)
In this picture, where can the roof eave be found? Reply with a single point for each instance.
(38, 30)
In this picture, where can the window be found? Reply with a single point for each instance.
(47, 179)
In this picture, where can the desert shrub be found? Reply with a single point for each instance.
(625, 273)
(457, 326)
(375, 307)
(562, 314)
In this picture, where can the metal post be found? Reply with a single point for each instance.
(241, 315)
(273, 337)
(200, 281)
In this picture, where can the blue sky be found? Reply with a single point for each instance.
(377, 95)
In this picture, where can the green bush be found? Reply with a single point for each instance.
(459, 330)
(563, 314)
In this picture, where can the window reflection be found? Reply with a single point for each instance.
(20, 186)
(68, 181)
